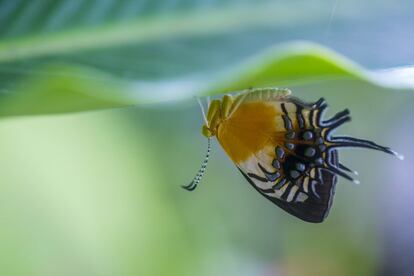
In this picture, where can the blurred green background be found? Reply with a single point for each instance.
(98, 192)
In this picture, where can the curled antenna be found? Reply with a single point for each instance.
(201, 171)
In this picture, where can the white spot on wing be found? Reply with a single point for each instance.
(313, 173)
(292, 193)
(306, 184)
(301, 197)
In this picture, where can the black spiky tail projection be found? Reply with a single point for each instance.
(334, 142)
(190, 187)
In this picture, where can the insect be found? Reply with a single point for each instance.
(283, 147)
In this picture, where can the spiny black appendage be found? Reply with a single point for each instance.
(344, 141)
(201, 171)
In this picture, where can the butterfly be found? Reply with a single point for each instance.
(283, 147)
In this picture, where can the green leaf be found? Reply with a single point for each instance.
(51, 63)
(70, 88)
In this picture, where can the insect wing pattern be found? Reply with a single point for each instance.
(298, 170)
(283, 147)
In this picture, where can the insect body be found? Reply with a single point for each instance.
(283, 147)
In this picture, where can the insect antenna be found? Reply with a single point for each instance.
(202, 110)
(201, 171)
